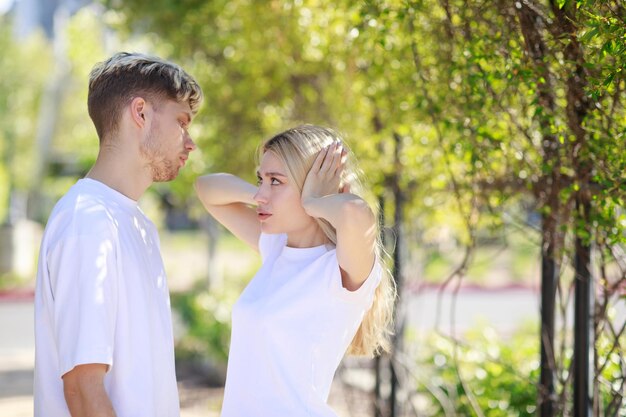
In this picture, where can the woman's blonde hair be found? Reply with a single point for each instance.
(297, 149)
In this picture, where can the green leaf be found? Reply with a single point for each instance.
(590, 34)
(608, 80)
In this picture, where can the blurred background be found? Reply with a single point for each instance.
(491, 135)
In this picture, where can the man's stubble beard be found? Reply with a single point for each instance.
(162, 169)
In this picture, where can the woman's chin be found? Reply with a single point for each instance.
(266, 228)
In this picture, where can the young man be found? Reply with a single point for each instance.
(103, 330)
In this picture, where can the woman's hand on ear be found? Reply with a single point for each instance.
(324, 197)
(324, 177)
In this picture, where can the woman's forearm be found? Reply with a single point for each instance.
(228, 199)
(339, 210)
(221, 189)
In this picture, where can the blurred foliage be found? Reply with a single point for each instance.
(453, 79)
(516, 258)
(10, 281)
(610, 364)
(23, 69)
(454, 82)
(205, 310)
(497, 374)
(207, 319)
(494, 372)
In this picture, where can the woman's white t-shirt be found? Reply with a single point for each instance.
(291, 327)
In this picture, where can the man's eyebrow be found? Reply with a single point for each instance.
(271, 174)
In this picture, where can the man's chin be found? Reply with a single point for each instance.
(165, 178)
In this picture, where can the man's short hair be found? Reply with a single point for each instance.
(116, 81)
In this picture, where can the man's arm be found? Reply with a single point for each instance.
(84, 391)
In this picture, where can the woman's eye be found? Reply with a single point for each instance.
(275, 182)
(259, 181)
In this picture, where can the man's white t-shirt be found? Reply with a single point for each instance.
(102, 297)
(291, 327)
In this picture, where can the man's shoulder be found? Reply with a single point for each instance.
(82, 211)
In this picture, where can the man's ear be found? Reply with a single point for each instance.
(138, 107)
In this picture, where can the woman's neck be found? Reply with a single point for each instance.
(307, 238)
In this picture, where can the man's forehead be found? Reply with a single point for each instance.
(182, 108)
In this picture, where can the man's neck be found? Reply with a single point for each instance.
(122, 172)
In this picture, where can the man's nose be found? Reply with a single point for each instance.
(190, 145)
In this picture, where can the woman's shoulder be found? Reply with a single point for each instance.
(364, 293)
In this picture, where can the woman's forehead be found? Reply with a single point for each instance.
(269, 159)
(270, 163)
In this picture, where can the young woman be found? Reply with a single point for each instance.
(321, 289)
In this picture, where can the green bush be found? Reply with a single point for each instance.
(207, 318)
(499, 375)
(610, 377)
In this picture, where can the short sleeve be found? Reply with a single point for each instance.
(365, 293)
(84, 281)
(270, 245)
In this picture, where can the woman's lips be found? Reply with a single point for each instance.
(263, 216)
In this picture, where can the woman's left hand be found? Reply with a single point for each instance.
(324, 177)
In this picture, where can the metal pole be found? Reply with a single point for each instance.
(549, 281)
(583, 321)
(398, 197)
(378, 363)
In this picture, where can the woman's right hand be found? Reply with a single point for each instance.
(324, 177)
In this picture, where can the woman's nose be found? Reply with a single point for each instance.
(261, 195)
